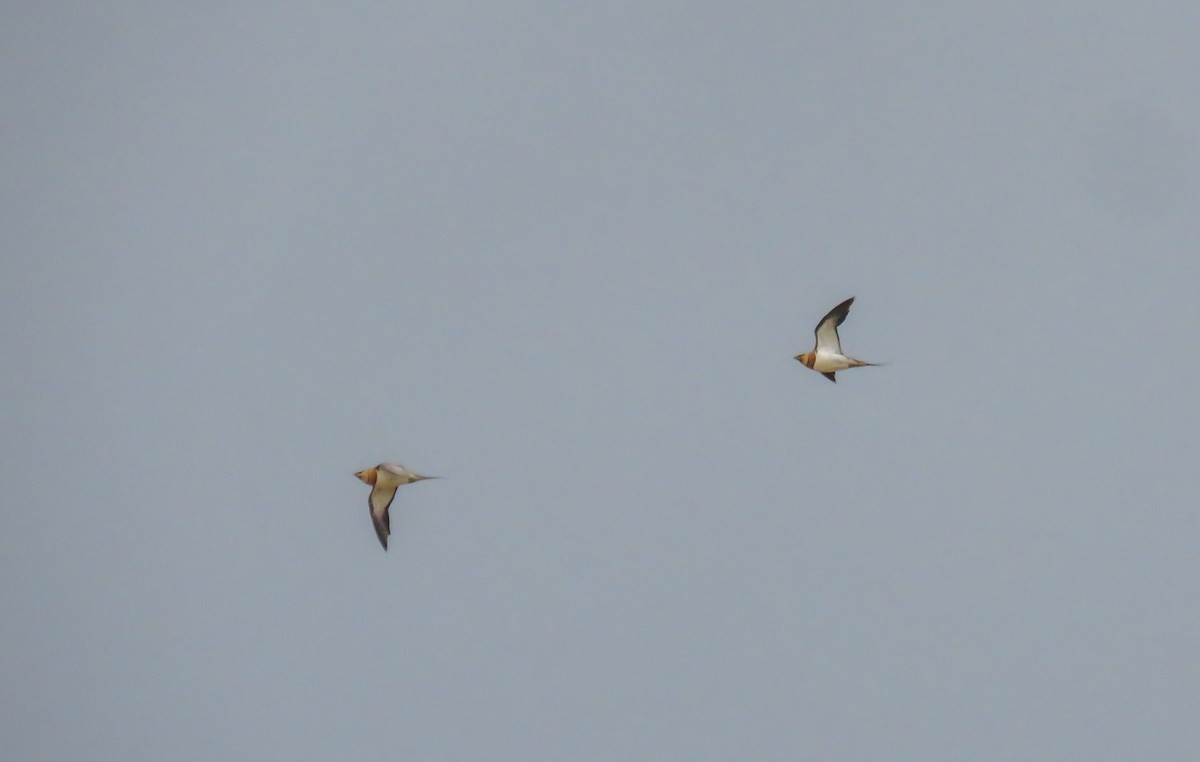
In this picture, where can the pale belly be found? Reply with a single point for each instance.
(386, 480)
(830, 363)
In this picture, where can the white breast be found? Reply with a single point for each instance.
(828, 362)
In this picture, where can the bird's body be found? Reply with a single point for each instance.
(826, 356)
(385, 479)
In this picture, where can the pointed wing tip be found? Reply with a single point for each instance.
(829, 325)
(382, 529)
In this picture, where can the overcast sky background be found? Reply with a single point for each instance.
(563, 257)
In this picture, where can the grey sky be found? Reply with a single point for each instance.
(563, 259)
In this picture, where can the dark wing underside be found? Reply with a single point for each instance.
(380, 501)
(826, 331)
(831, 376)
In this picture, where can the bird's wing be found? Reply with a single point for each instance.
(380, 501)
(827, 335)
(393, 468)
(831, 376)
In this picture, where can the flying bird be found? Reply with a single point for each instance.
(385, 479)
(826, 357)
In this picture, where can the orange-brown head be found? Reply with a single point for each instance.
(368, 476)
(807, 359)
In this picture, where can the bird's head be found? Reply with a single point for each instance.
(368, 476)
(803, 359)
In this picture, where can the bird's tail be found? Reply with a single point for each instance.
(862, 363)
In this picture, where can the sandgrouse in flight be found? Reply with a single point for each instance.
(385, 479)
(826, 357)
